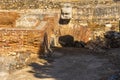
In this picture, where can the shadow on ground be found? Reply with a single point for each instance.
(74, 67)
(40, 71)
(76, 64)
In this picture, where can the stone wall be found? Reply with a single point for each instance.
(8, 19)
(26, 39)
(78, 32)
(12, 40)
(97, 13)
(85, 10)
(20, 46)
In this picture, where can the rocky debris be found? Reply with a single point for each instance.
(16, 60)
(96, 45)
(112, 39)
(80, 44)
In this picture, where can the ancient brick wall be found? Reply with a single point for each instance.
(80, 33)
(7, 19)
(20, 46)
(12, 40)
(16, 39)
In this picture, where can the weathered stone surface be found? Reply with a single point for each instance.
(8, 19)
(78, 44)
(80, 33)
(19, 47)
(4, 75)
(16, 60)
(112, 39)
(96, 45)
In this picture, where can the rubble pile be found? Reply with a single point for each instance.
(97, 45)
(16, 60)
(79, 44)
(112, 39)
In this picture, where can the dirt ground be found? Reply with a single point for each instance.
(68, 64)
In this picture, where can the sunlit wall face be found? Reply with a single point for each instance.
(66, 11)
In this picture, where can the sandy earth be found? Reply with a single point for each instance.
(68, 64)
